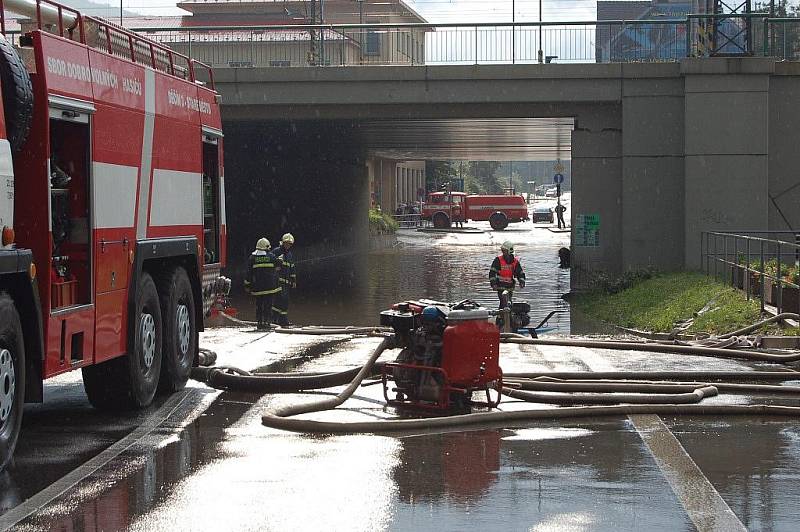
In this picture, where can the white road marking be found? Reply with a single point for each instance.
(59, 487)
(703, 504)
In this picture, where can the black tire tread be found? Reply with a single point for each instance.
(12, 337)
(17, 95)
(173, 380)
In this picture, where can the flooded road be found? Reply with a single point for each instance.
(211, 465)
(201, 460)
(353, 289)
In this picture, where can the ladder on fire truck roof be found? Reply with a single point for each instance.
(105, 36)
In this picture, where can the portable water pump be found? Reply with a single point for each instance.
(448, 351)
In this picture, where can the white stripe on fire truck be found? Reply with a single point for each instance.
(177, 198)
(147, 152)
(114, 195)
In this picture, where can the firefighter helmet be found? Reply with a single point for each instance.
(262, 244)
(287, 239)
(507, 246)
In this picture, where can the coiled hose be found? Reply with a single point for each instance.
(587, 389)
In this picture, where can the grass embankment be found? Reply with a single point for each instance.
(657, 303)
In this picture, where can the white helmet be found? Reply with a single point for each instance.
(262, 244)
(287, 239)
(508, 245)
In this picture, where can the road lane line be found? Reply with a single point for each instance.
(60, 486)
(703, 504)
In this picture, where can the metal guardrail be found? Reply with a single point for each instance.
(656, 40)
(408, 221)
(765, 264)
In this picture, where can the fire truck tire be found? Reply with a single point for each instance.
(498, 221)
(12, 378)
(441, 220)
(17, 95)
(180, 330)
(131, 381)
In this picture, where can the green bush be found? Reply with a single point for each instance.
(381, 223)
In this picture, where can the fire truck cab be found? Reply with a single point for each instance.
(112, 211)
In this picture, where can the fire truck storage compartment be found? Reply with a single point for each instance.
(211, 199)
(71, 270)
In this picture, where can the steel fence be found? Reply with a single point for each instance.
(604, 41)
(765, 264)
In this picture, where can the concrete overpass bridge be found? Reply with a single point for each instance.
(660, 151)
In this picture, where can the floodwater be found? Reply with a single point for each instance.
(353, 289)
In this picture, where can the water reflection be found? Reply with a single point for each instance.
(456, 466)
(354, 289)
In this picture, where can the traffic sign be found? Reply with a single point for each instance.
(558, 179)
(558, 167)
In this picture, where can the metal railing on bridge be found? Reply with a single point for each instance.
(606, 41)
(765, 264)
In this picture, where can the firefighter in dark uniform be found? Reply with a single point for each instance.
(286, 280)
(262, 281)
(505, 269)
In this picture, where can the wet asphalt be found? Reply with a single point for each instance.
(201, 460)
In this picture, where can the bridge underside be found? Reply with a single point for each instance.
(659, 152)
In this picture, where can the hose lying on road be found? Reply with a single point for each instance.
(652, 347)
(694, 395)
(318, 330)
(654, 395)
(224, 378)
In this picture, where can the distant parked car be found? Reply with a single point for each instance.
(542, 214)
(551, 192)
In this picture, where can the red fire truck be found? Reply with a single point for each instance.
(444, 208)
(112, 212)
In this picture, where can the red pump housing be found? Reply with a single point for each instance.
(471, 349)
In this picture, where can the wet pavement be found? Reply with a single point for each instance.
(201, 460)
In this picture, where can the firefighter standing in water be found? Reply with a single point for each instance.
(286, 280)
(262, 281)
(505, 269)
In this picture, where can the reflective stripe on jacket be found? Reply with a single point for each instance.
(506, 274)
(262, 273)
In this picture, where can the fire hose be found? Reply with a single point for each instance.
(661, 398)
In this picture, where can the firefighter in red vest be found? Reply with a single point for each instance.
(504, 273)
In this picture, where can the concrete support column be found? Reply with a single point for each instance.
(652, 173)
(727, 147)
(597, 190)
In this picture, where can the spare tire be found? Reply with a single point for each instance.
(17, 95)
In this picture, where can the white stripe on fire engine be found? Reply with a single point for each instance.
(495, 207)
(177, 198)
(114, 195)
(147, 151)
(222, 200)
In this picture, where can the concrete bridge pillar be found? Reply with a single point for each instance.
(597, 190)
(726, 147)
(652, 172)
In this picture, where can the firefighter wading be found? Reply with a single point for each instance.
(262, 281)
(505, 269)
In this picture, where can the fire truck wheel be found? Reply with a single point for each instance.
(498, 221)
(180, 330)
(441, 220)
(12, 378)
(144, 361)
(17, 95)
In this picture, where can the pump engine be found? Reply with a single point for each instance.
(448, 351)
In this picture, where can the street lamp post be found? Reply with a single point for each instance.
(541, 53)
